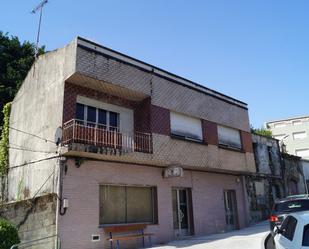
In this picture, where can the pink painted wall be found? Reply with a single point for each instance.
(81, 188)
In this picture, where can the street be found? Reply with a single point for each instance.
(251, 237)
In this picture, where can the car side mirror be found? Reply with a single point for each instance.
(278, 230)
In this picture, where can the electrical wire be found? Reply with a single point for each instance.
(30, 134)
(32, 162)
(43, 184)
(31, 150)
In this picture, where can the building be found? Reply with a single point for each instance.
(264, 187)
(293, 175)
(294, 133)
(277, 175)
(305, 164)
(119, 141)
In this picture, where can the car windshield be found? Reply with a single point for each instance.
(292, 206)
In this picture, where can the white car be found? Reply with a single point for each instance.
(294, 232)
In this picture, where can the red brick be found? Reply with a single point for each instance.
(160, 120)
(210, 132)
(246, 140)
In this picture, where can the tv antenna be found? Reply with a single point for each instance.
(34, 11)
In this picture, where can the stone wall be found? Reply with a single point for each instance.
(293, 175)
(34, 218)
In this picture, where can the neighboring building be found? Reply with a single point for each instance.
(277, 175)
(305, 164)
(264, 187)
(293, 176)
(138, 145)
(294, 132)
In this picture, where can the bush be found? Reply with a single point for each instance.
(8, 234)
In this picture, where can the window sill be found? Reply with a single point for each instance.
(221, 146)
(191, 140)
(126, 224)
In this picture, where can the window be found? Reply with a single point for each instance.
(93, 116)
(278, 125)
(186, 127)
(296, 122)
(288, 228)
(270, 155)
(279, 136)
(299, 135)
(229, 137)
(302, 152)
(306, 236)
(127, 204)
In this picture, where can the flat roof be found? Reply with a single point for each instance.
(287, 119)
(84, 43)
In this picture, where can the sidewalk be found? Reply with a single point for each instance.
(247, 238)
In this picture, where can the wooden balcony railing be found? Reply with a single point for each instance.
(88, 133)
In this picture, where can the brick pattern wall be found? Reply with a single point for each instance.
(142, 116)
(246, 140)
(71, 91)
(160, 120)
(110, 70)
(164, 93)
(210, 132)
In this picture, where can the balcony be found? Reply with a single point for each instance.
(105, 139)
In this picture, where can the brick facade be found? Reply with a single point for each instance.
(164, 93)
(210, 132)
(246, 140)
(160, 120)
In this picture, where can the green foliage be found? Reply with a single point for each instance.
(261, 131)
(4, 142)
(16, 60)
(8, 234)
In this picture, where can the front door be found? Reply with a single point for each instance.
(230, 210)
(181, 211)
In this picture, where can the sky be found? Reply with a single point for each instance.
(256, 51)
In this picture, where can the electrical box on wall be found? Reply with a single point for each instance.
(95, 237)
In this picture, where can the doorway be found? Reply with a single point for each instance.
(230, 205)
(182, 212)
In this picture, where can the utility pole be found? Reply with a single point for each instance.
(34, 11)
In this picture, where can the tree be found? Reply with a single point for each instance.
(16, 60)
(261, 131)
(8, 234)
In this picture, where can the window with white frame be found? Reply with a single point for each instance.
(127, 204)
(229, 137)
(93, 116)
(296, 122)
(299, 135)
(278, 125)
(186, 127)
(302, 152)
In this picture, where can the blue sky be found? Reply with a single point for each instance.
(255, 51)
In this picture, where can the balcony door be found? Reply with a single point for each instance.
(182, 212)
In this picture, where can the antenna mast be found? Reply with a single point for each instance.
(34, 11)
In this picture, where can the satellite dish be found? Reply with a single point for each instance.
(58, 135)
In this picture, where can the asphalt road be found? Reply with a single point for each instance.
(252, 237)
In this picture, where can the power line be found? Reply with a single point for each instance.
(31, 150)
(43, 184)
(33, 135)
(32, 162)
